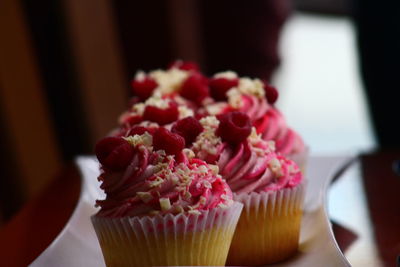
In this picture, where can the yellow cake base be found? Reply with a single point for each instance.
(206, 248)
(161, 240)
(268, 232)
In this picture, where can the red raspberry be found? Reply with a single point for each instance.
(161, 116)
(170, 142)
(189, 128)
(143, 88)
(234, 127)
(131, 120)
(195, 88)
(271, 93)
(114, 153)
(184, 65)
(137, 130)
(219, 87)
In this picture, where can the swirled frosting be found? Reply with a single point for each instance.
(250, 166)
(156, 183)
(253, 166)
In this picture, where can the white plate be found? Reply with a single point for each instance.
(77, 244)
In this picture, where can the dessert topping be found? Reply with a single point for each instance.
(143, 86)
(221, 83)
(195, 88)
(170, 142)
(189, 128)
(234, 127)
(114, 153)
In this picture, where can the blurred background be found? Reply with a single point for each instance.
(65, 68)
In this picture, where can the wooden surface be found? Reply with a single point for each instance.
(382, 190)
(33, 229)
(23, 104)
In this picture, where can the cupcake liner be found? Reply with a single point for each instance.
(183, 239)
(269, 226)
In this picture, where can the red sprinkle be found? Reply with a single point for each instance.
(189, 128)
(168, 141)
(219, 87)
(234, 127)
(143, 88)
(114, 153)
(161, 116)
(195, 88)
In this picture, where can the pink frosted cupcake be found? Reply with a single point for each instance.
(269, 185)
(162, 206)
(256, 98)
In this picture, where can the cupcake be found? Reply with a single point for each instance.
(256, 98)
(269, 185)
(163, 206)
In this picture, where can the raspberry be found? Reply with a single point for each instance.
(195, 88)
(189, 128)
(219, 87)
(184, 65)
(161, 116)
(271, 93)
(234, 127)
(132, 120)
(137, 130)
(170, 142)
(114, 153)
(143, 88)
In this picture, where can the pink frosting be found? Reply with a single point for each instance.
(152, 178)
(256, 168)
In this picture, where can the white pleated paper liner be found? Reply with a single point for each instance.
(183, 239)
(269, 226)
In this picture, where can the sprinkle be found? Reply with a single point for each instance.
(158, 181)
(188, 152)
(187, 195)
(179, 209)
(203, 169)
(165, 204)
(170, 80)
(157, 101)
(207, 184)
(202, 200)
(145, 139)
(226, 74)
(251, 87)
(140, 75)
(146, 197)
(184, 112)
(234, 98)
(196, 212)
(154, 212)
(216, 108)
(209, 122)
(214, 168)
(275, 166)
(138, 108)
